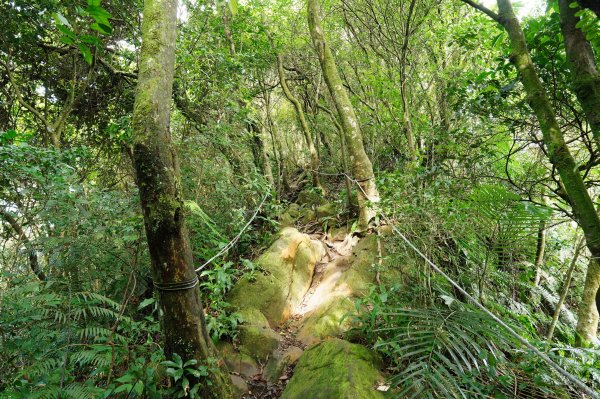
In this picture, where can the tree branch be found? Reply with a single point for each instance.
(484, 10)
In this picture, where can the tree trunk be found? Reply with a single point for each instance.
(268, 171)
(362, 168)
(565, 290)
(314, 158)
(587, 315)
(343, 154)
(157, 175)
(582, 62)
(540, 250)
(277, 148)
(558, 151)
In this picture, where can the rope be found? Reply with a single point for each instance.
(179, 286)
(235, 239)
(508, 328)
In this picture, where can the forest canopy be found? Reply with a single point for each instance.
(299, 199)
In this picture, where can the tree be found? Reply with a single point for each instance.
(558, 153)
(367, 193)
(157, 176)
(314, 157)
(585, 76)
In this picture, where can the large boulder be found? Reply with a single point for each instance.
(287, 268)
(279, 362)
(331, 310)
(331, 319)
(336, 369)
(238, 362)
(257, 339)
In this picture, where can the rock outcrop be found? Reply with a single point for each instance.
(336, 369)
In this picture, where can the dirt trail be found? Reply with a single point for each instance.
(295, 339)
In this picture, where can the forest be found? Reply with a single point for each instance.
(299, 199)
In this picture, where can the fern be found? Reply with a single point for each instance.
(451, 352)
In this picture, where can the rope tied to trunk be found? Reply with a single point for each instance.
(177, 286)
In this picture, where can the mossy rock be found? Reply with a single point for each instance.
(263, 292)
(240, 386)
(308, 215)
(280, 361)
(308, 254)
(238, 362)
(290, 216)
(311, 198)
(326, 210)
(331, 319)
(336, 369)
(258, 342)
(287, 266)
(361, 273)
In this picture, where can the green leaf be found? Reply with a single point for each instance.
(123, 388)
(86, 52)
(61, 20)
(89, 39)
(101, 28)
(232, 4)
(146, 302)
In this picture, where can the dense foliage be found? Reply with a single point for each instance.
(458, 155)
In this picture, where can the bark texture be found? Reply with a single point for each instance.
(157, 176)
(558, 151)
(587, 314)
(582, 62)
(565, 290)
(368, 196)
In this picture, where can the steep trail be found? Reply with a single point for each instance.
(264, 359)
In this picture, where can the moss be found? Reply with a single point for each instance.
(302, 272)
(290, 216)
(361, 273)
(256, 337)
(238, 362)
(330, 320)
(326, 210)
(263, 292)
(335, 369)
(288, 265)
(279, 362)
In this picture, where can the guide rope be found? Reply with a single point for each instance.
(580, 384)
(235, 239)
(179, 286)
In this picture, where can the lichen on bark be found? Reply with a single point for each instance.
(157, 176)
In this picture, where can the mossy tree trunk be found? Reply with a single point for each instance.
(587, 314)
(582, 62)
(558, 151)
(268, 171)
(314, 157)
(408, 129)
(368, 196)
(157, 175)
(540, 250)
